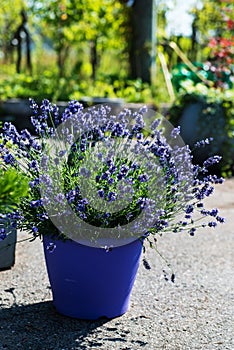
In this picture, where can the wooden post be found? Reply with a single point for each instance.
(143, 40)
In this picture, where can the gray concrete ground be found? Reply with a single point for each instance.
(196, 312)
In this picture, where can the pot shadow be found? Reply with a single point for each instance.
(39, 327)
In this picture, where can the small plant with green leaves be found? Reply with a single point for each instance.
(13, 186)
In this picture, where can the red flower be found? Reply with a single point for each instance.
(213, 42)
(230, 24)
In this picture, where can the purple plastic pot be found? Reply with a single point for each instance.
(89, 283)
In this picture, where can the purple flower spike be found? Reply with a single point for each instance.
(175, 132)
(51, 247)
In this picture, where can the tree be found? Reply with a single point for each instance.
(95, 24)
(52, 22)
(21, 35)
(10, 19)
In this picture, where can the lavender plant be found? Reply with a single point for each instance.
(106, 180)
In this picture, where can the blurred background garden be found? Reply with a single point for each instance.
(175, 57)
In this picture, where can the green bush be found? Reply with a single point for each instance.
(54, 88)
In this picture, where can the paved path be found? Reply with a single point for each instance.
(197, 312)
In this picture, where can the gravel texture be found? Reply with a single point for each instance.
(196, 312)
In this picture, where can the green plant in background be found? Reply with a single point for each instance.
(20, 86)
(63, 89)
(182, 75)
